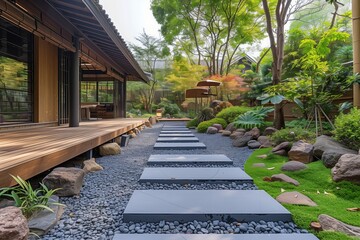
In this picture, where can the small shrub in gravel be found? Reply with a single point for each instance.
(203, 126)
(292, 135)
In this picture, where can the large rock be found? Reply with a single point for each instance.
(301, 152)
(212, 130)
(325, 143)
(331, 224)
(110, 149)
(293, 166)
(218, 126)
(254, 133)
(230, 127)
(264, 141)
(284, 178)
(235, 135)
(226, 133)
(295, 198)
(148, 124)
(269, 131)
(253, 144)
(241, 141)
(45, 220)
(347, 168)
(281, 152)
(152, 120)
(13, 225)
(282, 146)
(91, 166)
(68, 180)
(330, 158)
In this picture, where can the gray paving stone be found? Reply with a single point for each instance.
(174, 131)
(166, 159)
(193, 175)
(214, 237)
(179, 145)
(203, 205)
(173, 126)
(177, 139)
(176, 135)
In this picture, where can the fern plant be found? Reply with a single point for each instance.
(253, 118)
(205, 115)
(28, 199)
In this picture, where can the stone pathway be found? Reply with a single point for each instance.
(203, 207)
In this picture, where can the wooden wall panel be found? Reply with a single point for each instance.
(45, 81)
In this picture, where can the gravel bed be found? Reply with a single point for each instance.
(97, 212)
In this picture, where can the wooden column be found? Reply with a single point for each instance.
(356, 47)
(122, 104)
(74, 117)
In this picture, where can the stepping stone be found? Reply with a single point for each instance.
(203, 205)
(177, 131)
(167, 159)
(173, 126)
(176, 135)
(287, 236)
(194, 175)
(179, 146)
(177, 139)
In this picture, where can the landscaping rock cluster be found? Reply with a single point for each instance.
(347, 168)
(13, 224)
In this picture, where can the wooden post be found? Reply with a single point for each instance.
(356, 47)
(122, 103)
(74, 118)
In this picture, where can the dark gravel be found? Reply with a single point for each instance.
(97, 212)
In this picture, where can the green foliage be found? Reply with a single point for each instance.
(347, 129)
(253, 118)
(230, 114)
(169, 108)
(305, 124)
(316, 178)
(292, 135)
(28, 199)
(192, 123)
(205, 114)
(203, 126)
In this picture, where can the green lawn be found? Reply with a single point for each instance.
(316, 178)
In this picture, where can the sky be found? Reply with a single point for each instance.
(130, 17)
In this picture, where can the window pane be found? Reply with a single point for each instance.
(88, 92)
(106, 92)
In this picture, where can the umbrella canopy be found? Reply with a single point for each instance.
(196, 93)
(208, 83)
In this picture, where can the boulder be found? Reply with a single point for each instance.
(330, 158)
(221, 131)
(110, 149)
(329, 223)
(45, 220)
(347, 168)
(284, 178)
(269, 131)
(281, 152)
(301, 152)
(253, 144)
(152, 120)
(13, 225)
(211, 130)
(264, 141)
(137, 131)
(148, 124)
(259, 165)
(295, 198)
(91, 166)
(240, 130)
(69, 180)
(282, 146)
(226, 133)
(218, 126)
(235, 135)
(254, 133)
(241, 141)
(293, 166)
(230, 127)
(325, 143)
(132, 134)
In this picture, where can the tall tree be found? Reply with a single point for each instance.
(148, 52)
(209, 31)
(278, 13)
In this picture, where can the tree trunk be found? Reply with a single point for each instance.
(356, 47)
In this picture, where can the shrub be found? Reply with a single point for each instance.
(28, 199)
(292, 135)
(203, 126)
(347, 129)
(205, 114)
(253, 118)
(230, 114)
(169, 108)
(192, 123)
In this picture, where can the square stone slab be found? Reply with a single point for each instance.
(177, 139)
(179, 145)
(203, 205)
(170, 175)
(175, 131)
(173, 126)
(167, 159)
(215, 237)
(176, 135)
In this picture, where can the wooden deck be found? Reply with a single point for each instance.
(28, 152)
